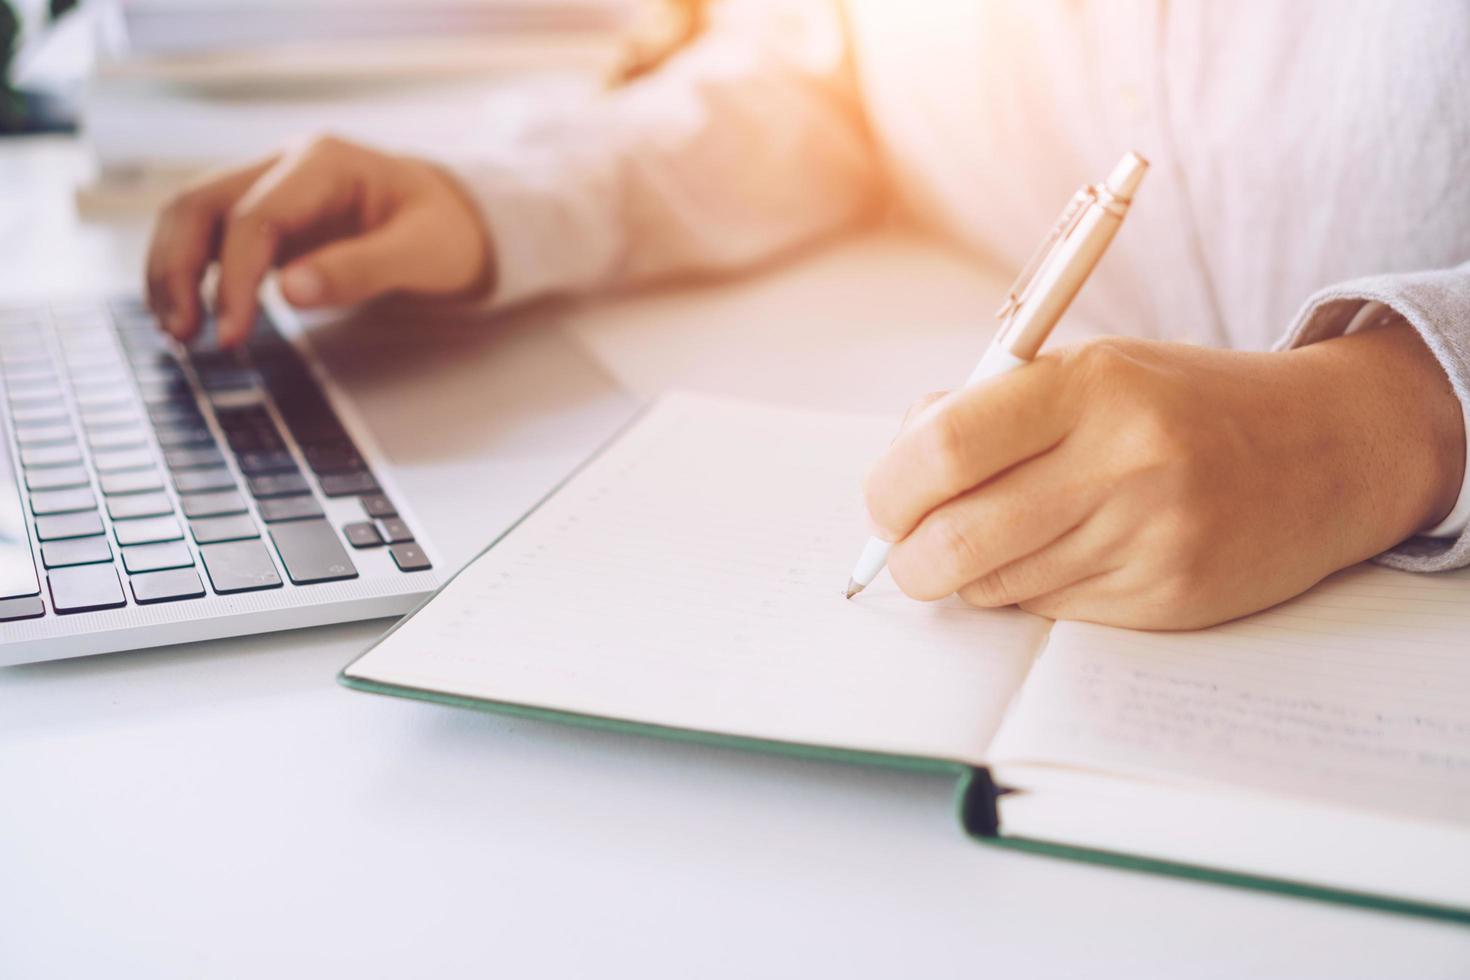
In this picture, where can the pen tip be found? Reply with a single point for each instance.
(852, 589)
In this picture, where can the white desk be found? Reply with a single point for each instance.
(225, 810)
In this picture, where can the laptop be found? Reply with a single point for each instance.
(151, 494)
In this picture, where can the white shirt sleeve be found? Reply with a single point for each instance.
(748, 144)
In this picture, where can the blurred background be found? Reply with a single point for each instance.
(162, 89)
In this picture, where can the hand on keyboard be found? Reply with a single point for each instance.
(346, 223)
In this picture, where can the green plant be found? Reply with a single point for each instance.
(11, 107)
(15, 109)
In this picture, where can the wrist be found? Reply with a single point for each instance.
(1391, 401)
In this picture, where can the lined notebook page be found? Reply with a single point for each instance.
(1356, 693)
(692, 576)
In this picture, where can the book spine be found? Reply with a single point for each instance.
(976, 799)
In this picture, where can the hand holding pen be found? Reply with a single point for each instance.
(1039, 297)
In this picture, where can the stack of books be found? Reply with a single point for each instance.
(187, 85)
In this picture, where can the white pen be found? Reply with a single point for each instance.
(1041, 294)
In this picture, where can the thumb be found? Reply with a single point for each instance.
(402, 254)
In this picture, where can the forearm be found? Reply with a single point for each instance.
(1390, 434)
(1435, 303)
(748, 144)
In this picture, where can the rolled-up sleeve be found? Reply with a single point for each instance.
(748, 144)
(1437, 304)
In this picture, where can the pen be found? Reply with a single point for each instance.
(1041, 294)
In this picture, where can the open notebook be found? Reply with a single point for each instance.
(688, 581)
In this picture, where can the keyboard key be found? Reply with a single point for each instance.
(235, 527)
(362, 534)
(289, 509)
(147, 530)
(278, 484)
(110, 418)
(259, 439)
(17, 567)
(76, 551)
(33, 395)
(57, 478)
(377, 505)
(349, 484)
(150, 371)
(151, 557)
(104, 440)
(336, 457)
(23, 378)
(139, 505)
(131, 481)
(198, 481)
(307, 414)
(78, 317)
(410, 557)
(51, 434)
(176, 392)
(91, 370)
(171, 414)
(11, 609)
(23, 350)
(266, 461)
(170, 586)
(39, 457)
(103, 399)
(39, 415)
(122, 459)
(62, 501)
(61, 526)
(224, 378)
(173, 436)
(239, 566)
(311, 552)
(193, 457)
(394, 531)
(207, 359)
(84, 588)
(236, 397)
(215, 503)
(239, 417)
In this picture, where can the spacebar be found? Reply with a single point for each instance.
(17, 566)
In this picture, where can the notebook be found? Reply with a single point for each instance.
(688, 580)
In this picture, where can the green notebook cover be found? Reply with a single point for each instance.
(976, 794)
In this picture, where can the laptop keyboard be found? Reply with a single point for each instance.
(148, 474)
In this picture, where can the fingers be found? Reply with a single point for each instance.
(184, 243)
(1094, 598)
(298, 191)
(1079, 555)
(964, 439)
(983, 532)
(388, 258)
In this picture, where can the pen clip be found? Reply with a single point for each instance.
(1071, 215)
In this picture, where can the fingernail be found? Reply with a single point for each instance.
(224, 328)
(302, 285)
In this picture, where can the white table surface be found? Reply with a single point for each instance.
(226, 810)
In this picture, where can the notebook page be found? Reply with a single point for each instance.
(692, 576)
(1357, 693)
